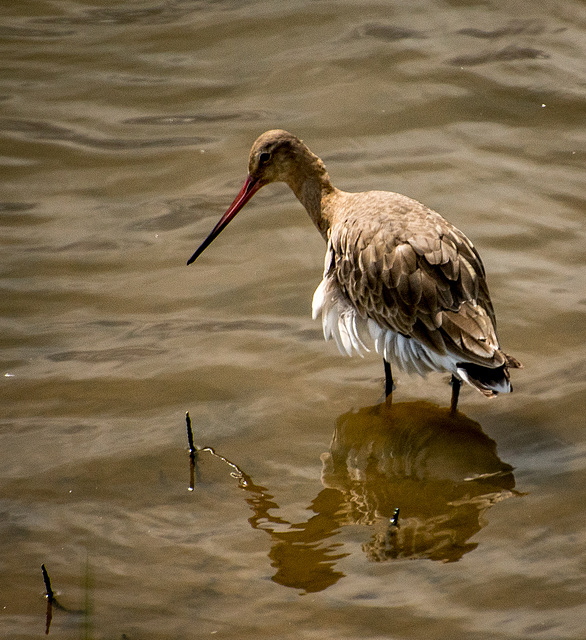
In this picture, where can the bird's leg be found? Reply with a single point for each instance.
(389, 386)
(456, 384)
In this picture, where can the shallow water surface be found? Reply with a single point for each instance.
(125, 133)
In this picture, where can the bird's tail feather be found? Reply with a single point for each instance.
(512, 363)
(490, 382)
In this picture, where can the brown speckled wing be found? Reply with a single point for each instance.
(409, 270)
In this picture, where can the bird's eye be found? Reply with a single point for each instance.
(264, 157)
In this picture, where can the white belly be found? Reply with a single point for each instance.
(342, 322)
(351, 333)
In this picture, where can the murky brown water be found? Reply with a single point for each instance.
(124, 132)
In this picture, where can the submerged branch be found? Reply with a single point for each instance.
(244, 480)
(192, 448)
(50, 597)
(395, 519)
(47, 581)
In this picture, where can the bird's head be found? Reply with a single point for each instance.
(276, 156)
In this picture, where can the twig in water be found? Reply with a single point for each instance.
(47, 581)
(50, 599)
(192, 448)
(395, 519)
(244, 479)
(192, 453)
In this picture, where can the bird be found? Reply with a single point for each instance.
(397, 275)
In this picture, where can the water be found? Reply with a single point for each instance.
(124, 133)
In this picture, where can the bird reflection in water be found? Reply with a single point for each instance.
(438, 468)
(441, 470)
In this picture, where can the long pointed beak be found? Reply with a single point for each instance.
(248, 190)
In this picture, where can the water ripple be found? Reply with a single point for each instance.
(508, 54)
(39, 130)
(16, 206)
(28, 32)
(160, 14)
(182, 213)
(514, 28)
(123, 354)
(385, 31)
(195, 118)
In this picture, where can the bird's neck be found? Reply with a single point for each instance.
(313, 189)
